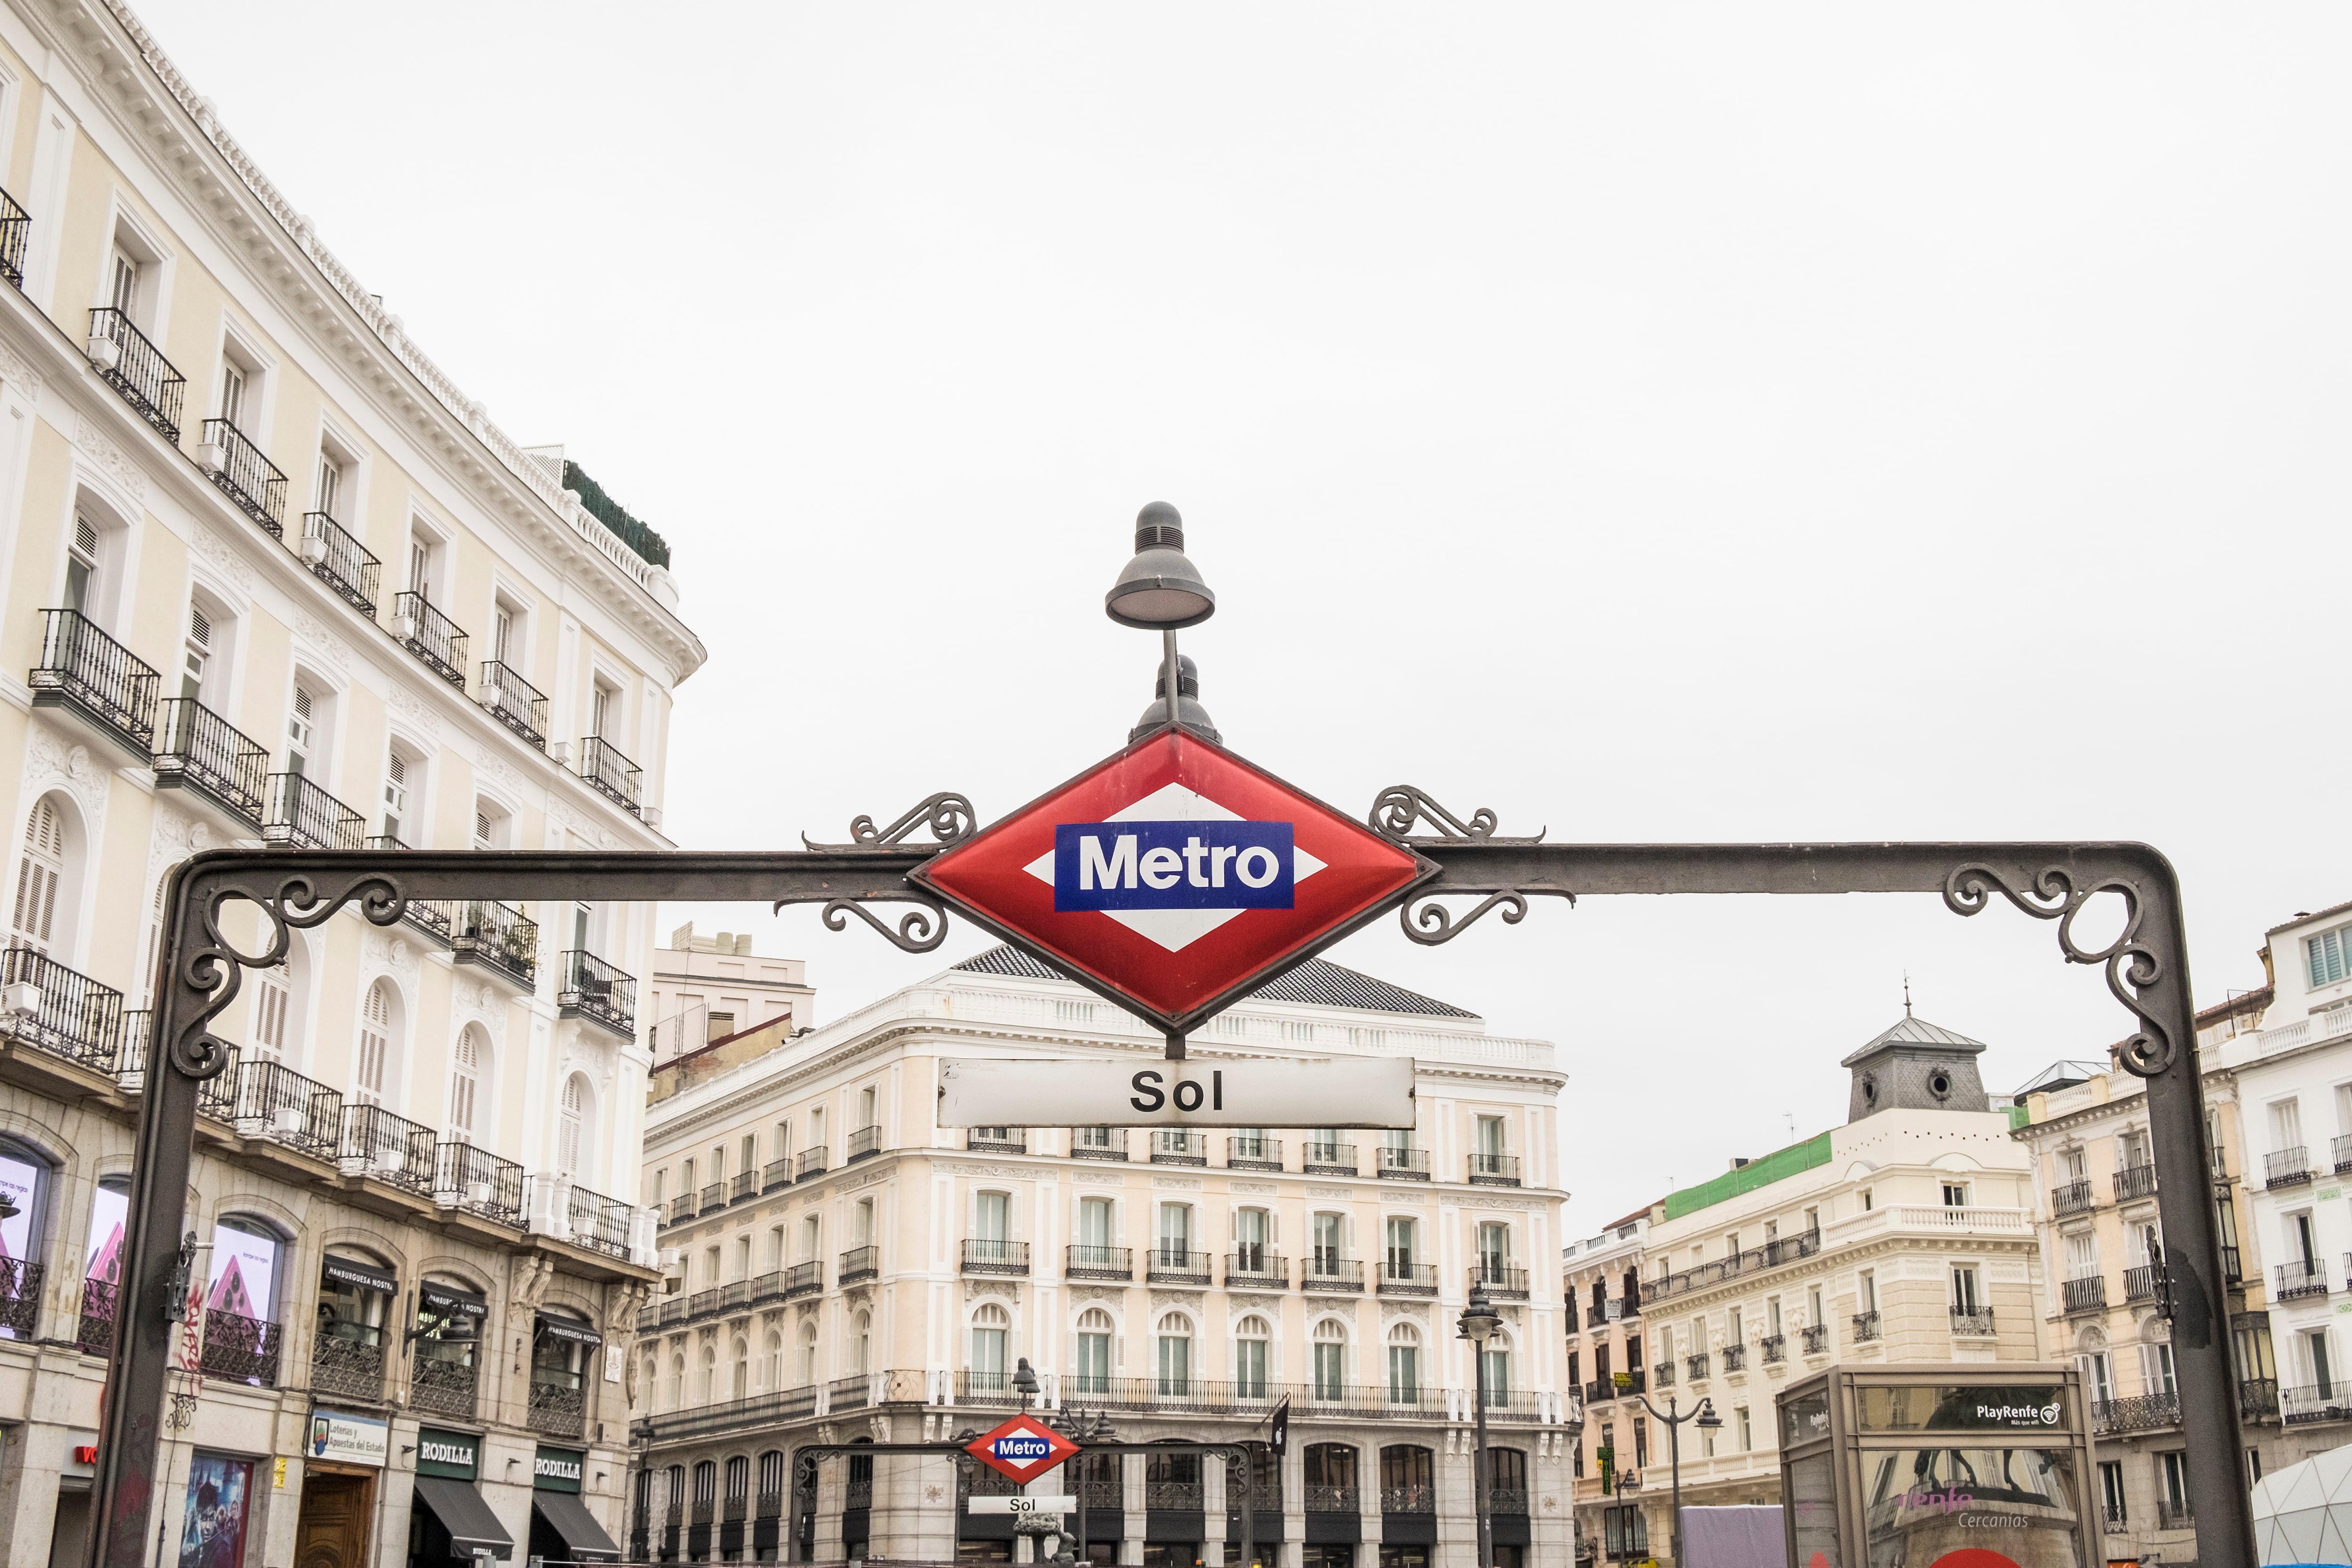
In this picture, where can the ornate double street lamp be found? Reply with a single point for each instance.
(1708, 1421)
(1478, 1324)
(1172, 844)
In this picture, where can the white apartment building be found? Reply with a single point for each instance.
(883, 1278)
(268, 577)
(705, 989)
(1601, 1279)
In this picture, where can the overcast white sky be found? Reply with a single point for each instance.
(1654, 423)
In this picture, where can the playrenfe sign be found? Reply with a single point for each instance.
(1946, 1407)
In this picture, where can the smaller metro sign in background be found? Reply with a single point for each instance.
(1023, 1448)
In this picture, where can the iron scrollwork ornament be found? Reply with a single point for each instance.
(1398, 807)
(919, 929)
(1429, 923)
(215, 969)
(2130, 966)
(949, 816)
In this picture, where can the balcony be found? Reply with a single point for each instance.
(867, 1142)
(1328, 1271)
(1865, 1326)
(1401, 1165)
(301, 816)
(1112, 1147)
(1696, 1367)
(95, 1333)
(1771, 1255)
(20, 1294)
(1662, 1375)
(1735, 1358)
(241, 1348)
(1494, 1170)
(2088, 1294)
(596, 1222)
(1100, 1263)
(290, 1111)
(804, 1279)
(65, 1014)
(2075, 1197)
(2287, 1167)
(683, 1208)
(1330, 1158)
(595, 989)
(136, 369)
(1173, 1497)
(2170, 1515)
(1180, 1148)
(1332, 1499)
(2315, 1402)
(609, 772)
(347, 1363)
(810, 1163)
(2142, 1282)
(991, 1257)
(714, 1197)
(216, 1097)
(2233, 1268)
(985, 1140)
(775, 1174)
(1257, 1268)
(199, 750)
(514, 702)
(438, 1387)
(468, 1177)
(15, 228)
(1498, 1280)
(1245, 1152)
(1404, 1277)
(380, 1147)
(741, 1185)
(85, 670)
(2299, 1280)
(1817, 1339)
(1408, 1499)
(242, 474)
(499, 937)
(436, 640)
(2258, 1398)
(1968, 1320)
(341, 561)
(2134, 1182)
(852, 1392)
(2135, 1413)
(558, 1410)
(1775, 1348)
(1174, 1266)
(860, 1263)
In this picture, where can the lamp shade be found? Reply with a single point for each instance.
(1159, 590)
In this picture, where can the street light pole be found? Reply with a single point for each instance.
(1707, 1421)
(1478, 1323)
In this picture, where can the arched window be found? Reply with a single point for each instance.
(1175, 1354)
(677, 1381)
(1329, 1467)
(40, 876)
(1404, 1364)
(652, 1384)
(1496, 1363)
(465, 1082)
(1090, 1363)
(771, 1473)
(1408, 1479)
(709, 1375)
(808, 1353)
(775, 1360)
(705, 1488)
(1507, 1472)
(273, 1002)
(992, 1326)
(241, 1301)
(568, 1127)
(1251, 1337)
(742, 1369)
(861, 1344)
(375, 1044)
(1330, 1360)
(25, 1182)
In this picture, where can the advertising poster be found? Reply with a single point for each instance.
(244, 1273)
(211, 1531)
(17, 1181)
(107, 1212)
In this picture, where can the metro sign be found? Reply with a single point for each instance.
(1021, 1449)
(1174, 877)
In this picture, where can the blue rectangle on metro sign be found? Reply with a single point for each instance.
(1172, 865)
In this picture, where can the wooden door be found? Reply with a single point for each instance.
(333, 1530)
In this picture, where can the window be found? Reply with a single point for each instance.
(1494, 1252)
(2286, 1124)
(23, 1181)
(2098, 1372)
(1404, 1364)
(39, 874)
(503, 617)
(992, 1219)
(1094, 1227)
(81, 569)
(1092, 1138)
(569, 1123)
(808, 1355)
(2317, 1370)
(2158, 1368)
(1956, 1195)
(124, 276)
(1490, 1135)
(1965, 1299)
(1090, 1363)
(1813, 1314)
(1401, 1237)
(1865, 1200)
(1176, 1234)
(1496, 1364)
(2111, 1493)
(2330, 955)
(273, 997)
(603, 709)
(1250, 1343)
(1329, 1233)
(1640, 1444)
(195, 653)
(465, 1082)
(1746, 1430)
(232, 391)
(990, 1326)
(1330, 1366)
(1252, 1227)
(395, 799)
(301, 730)
(2172, 1481)
(375, 1043)
(2083, 1256)
(861, 1344)
(862, 1223)
(490, 826)
(327, 487)
(1175, 1354)
(1867, 1288)
(423, 551)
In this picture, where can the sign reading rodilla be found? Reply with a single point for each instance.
(1174, 876)
(1021, 1448)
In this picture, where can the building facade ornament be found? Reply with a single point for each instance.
(314, 631)
(108, 459)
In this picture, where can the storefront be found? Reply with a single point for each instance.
(562, 1529)
(342, 1462)
(450, 1520)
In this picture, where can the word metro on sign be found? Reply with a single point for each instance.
(1022, 1448)
(1196, 1092)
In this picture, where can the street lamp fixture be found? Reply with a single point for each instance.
(1159, 590)
(1024, 1384)
(1479, 1324)
(1707, 1421)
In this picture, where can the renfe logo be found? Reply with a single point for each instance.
(1196, 865)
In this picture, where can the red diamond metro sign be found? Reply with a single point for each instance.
(1023, 1447)
(1174, 877)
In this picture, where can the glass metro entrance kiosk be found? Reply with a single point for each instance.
(1968, 1464)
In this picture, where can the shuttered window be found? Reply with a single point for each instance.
(2331, 956)
(38, 876)
(375, 1043)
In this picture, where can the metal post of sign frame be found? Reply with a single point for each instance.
(2145, 967)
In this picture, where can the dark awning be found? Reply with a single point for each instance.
(464, 1514)
(566, 1329)
(582, 1536)
(437, 1298)
(366, 1275)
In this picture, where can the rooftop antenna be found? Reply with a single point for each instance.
(1906, 992)
(1791, 1117)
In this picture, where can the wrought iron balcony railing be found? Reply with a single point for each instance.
(20, 1296)
(15, 228)
(1172, 1496)
(469, 1178)
(860, 1263)
(2073, 1197)
(59, 1012)
(986, 1256)
(1865, 1326)
(867, 1142)
(598, 990)
(95, 1333)
(1699, 1367)
(1775, 1348)
(84, 669)
(497, 936)
(1253, 1268)
(609, 772)
(341, 561)
(514, 701)
(387, 1148)
(2258, 1398)
(1247, 1151)
(775, 1174)
(1401, 1165)
(1402, 1277)
(301, 816)
(1171, 1148)
(2135, 1413)
(440, 1387)
(216, 1097)
(1494, 1170)
(436, 639)
(278, 1104)
(2286, 1167)
(1328, 1271)
(1735, 1358)
(1817, 1339)
(1332, 1499)
(242, 474)
(558, 1410)
(810, 1162)
(2088, 1294)
(1100, 1263)
(2134, 1181)
(347, 1362)
(1408, 1499)
(1498, 1279)
(240, 1349)
(1175, 1265)
(1972, 1320)
(197, 748)
(2298, 1279)
(984, 1140)
(742, 1184)
(1662, 1375)
(136, 369)
(1113, 1147)
(2142, 1281)
(1330, 1158)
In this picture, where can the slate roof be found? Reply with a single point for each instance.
(1910, 1031)
(1318, 982)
